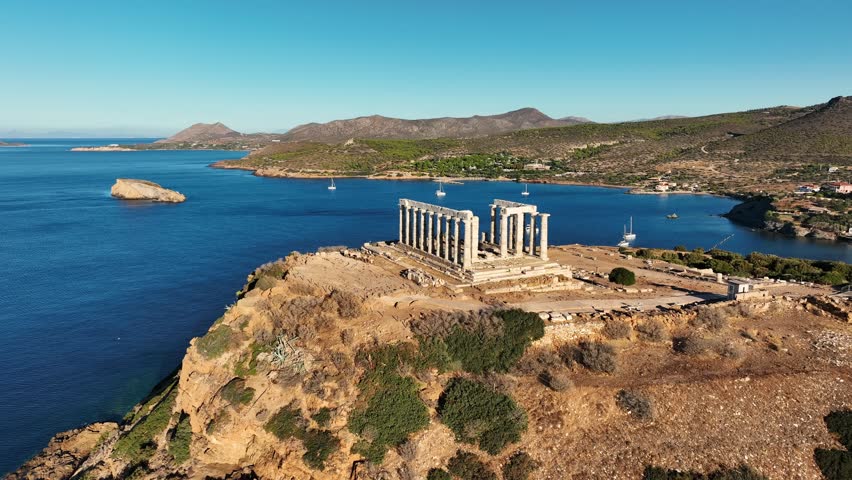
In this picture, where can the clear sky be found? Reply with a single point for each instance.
(158, 66)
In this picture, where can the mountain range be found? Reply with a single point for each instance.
(378, 126)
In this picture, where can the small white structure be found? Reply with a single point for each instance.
(739, 286)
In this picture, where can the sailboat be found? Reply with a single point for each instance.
(440, 191)
(526, 191)
(624, 241)
(332, 186)
(630, 236)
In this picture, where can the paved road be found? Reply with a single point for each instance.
(592, 304)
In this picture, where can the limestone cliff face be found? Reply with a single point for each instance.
(132, 189)
(65, 453)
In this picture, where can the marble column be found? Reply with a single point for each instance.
(448, 220)
(409, 225)
(542, 249)
(438, 240)
(422, 230)
(519, 234)
(493, 223)
(504, 230)
(474, 239)
(531, 238)
(456, 240)
(402, 238)
(429, 239)
(466, 260)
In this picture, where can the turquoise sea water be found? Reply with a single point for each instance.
(99, 297)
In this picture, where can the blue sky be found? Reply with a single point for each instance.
(159, 66)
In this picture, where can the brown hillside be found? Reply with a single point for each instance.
(377, 126)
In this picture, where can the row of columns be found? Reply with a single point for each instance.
(511, 232)
(430, 232)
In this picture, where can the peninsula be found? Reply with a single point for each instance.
(467, 347)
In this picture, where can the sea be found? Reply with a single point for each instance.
(99, 297)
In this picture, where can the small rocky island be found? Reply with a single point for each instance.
(133, 189)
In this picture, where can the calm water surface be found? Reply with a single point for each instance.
(99, 297)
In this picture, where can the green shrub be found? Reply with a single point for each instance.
(519, 467)
(834, 464)
(319, 444)
(743, 472)
(438, 474)
(840, 424)
(286, 423)
(635, 403)
(837, 464)
(389, 408)
(181, 439)
(479, 350)
(478, 414)
(215, 425)
(265, 282)
(622, 276)
(467, 466)
(216, 342)
(236, 392)
(322, 417)
(139, 444)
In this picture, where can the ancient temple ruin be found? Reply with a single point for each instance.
(515, 242)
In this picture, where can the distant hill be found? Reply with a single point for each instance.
(379, 127)
(757, 150)
(571, 120)
(203, 133)
(826, 130)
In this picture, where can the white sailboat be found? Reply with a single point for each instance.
(526, 191)
(629, 235)
(440, 191)
(624, 241)
(332, 186)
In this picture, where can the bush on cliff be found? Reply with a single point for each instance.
(140, 442)
(319, 444)
(388, 408)
(480, 415)
(480, 342)
(622, 276)
(180, 440)
(216, 342)
(236, 392)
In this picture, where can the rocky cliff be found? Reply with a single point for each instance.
(133, 189)
(334, 366)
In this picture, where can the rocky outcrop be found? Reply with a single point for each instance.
(133, 189)
(751, 213)
(65, 453)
